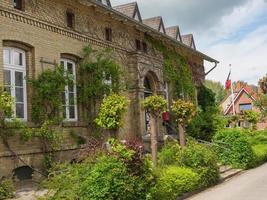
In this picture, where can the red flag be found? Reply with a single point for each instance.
(228, 82)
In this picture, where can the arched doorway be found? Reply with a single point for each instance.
(150, 89)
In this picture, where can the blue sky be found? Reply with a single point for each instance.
(232, 31)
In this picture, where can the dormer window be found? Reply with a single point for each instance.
(18, 4)
(108, 34)
(70, 19)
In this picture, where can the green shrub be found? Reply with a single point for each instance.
(170, 154)
(6, 189)
(174, 181)
(195, 156)
(260, 152)
(235, 148)
(123, 173)
(204, 161)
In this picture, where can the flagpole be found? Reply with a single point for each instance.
(233, 96)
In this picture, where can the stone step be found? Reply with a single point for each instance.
(224, 168)
(230, 173)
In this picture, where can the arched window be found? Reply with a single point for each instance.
(14, 80)
(70, 94)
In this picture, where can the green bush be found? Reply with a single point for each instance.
(169, 154)
(195, 156)
(235, 149)
(122, 173)
(174, 181)
(204, 161)
(260, 152)
(6, 189)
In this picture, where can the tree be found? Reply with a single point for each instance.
(217, 88)
(263, 84)
(184, 113)
(252, 117)
(155, 105)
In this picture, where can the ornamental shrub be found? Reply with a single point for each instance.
(111, 112)
(6, 189)
(183, 111)
(155, 105)
(107, 175)
(174, 181)
(203, 160)
(234, 149)
(195, 156)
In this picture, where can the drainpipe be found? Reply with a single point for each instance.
(216, 63)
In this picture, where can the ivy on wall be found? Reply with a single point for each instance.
(176, 70)
(99, 76)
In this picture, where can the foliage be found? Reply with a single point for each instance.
(176, 70)
(235, 148)
(111, 175)
(184, 111)
(217, 88)
(170, 154)
(206, 98)
(111, 111)
(47, 94)
(263, 84)
(174, 181)
(252, 117)
(99, 76)
(6, 189)
(203, 160)
(155, 105)
(261, 103)
(206, 123)
(195, 156)
(6, 105)
(260, 151)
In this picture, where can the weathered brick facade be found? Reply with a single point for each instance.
(40, 29)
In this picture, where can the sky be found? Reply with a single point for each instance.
(231, 31)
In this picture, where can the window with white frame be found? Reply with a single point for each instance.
(70, 93)
(14, 80)
(166, 91)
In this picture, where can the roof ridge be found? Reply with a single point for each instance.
(126, 4)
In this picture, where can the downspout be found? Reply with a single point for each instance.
(216, 63)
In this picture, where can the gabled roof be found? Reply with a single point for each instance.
(243, 90)
(189, 40)
(105, 2)
(130, 9)
(155, 23)
(174, 32)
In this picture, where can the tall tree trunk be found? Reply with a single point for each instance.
(154, 139)
(182, 136)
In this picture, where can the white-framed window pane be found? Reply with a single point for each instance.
(18, 58)
(6, 56)
(71, 99)
(20, 110)
(64, 112)
(70, 68)
(19, 79)
(72, 112)
(19, 94)
(8, 89)
(7, 77)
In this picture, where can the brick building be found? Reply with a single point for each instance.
(36, 35)
(244, 99)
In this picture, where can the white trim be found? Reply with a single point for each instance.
(238, 94)
(67, 92)
(13, 69)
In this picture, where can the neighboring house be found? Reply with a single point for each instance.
(244, 99)
(36, 35)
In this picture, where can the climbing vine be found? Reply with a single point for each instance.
(47, 94)
(176, 70)
(99, 76)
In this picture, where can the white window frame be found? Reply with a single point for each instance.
(17, 68)
(66, 92)
(166, 91)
